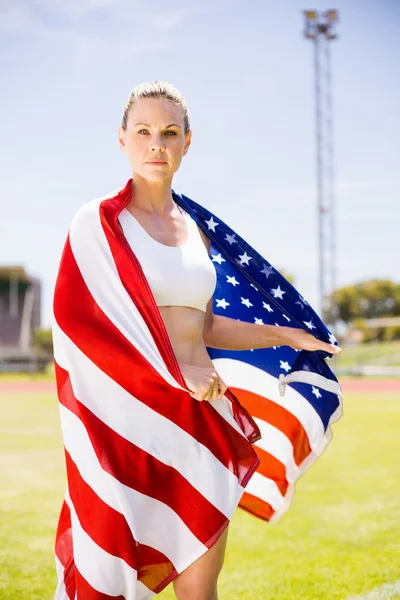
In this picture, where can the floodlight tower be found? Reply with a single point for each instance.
(321, 29)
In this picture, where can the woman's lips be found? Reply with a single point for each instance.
(156, 162)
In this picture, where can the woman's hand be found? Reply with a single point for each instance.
(300, 339)
(204, 382)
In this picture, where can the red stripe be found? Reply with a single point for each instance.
(87, 592)
(64, 550)
(90, 329)
(270, 412)
(256, 506)
(142, 472)
(110, 531)
(272, 468)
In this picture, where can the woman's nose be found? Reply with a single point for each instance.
(157, 144)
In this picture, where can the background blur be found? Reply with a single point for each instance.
(247, 73)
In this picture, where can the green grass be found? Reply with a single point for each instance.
(380, 353)
(341, 537)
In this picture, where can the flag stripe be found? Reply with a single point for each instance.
(64, 553)
(110, 531)
(266, 489)
(273, 468)
(93, 388)
(87, 592)
(256, 506)
(135, 506)
(144, 473)
(281, 419)
(243, 376)
(94, 564)
(276, 443)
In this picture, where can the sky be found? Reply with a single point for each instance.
(247, 73)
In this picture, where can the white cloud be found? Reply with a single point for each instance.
(92, 27)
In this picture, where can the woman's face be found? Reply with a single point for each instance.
(155, 131)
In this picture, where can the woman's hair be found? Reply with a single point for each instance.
(157, 89)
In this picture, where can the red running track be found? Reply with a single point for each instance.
(358, 384)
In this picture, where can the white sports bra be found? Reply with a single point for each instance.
(177, 275)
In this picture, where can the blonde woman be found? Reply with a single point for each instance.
(158, 448)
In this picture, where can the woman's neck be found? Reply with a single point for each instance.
(153, 197)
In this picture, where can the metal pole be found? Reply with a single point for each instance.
(331, 198)
(320, 167)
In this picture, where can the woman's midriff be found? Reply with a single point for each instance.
(185, 328)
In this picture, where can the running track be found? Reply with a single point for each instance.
(361, 385)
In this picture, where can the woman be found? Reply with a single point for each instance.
(171, 256)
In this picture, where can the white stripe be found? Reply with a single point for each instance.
(96, 264)
(60, 593)
(106, 573)
(265, 489)
(244, 376)
(383, 592)
(133, 420)
(152, 522)
(276, 443)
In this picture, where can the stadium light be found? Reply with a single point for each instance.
(320, 27)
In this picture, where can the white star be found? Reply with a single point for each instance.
(316, 392)
(258, 321)
(253, 286)
(230, 239)
(222, 303)
(277, 324)
(244, 258)
(267, 271)
(310, 325)
(212, 224)
(246, 302)
(287, 318)
(332, 338)
(267, 306)
(232, 280)
(278, 293)
(274, 347)
(285, 365)
(218, 258)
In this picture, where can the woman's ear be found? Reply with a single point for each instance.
(121, 138)
(188, 139)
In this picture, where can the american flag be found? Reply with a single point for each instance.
(153, 475)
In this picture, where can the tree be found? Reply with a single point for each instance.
(368, 299)
(43, 341)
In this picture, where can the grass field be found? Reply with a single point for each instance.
(340, 538)
(385, 354)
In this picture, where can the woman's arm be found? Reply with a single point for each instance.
(230, 334)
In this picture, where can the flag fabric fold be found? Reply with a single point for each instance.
(153, 475)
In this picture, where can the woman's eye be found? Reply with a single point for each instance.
(173, 132)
